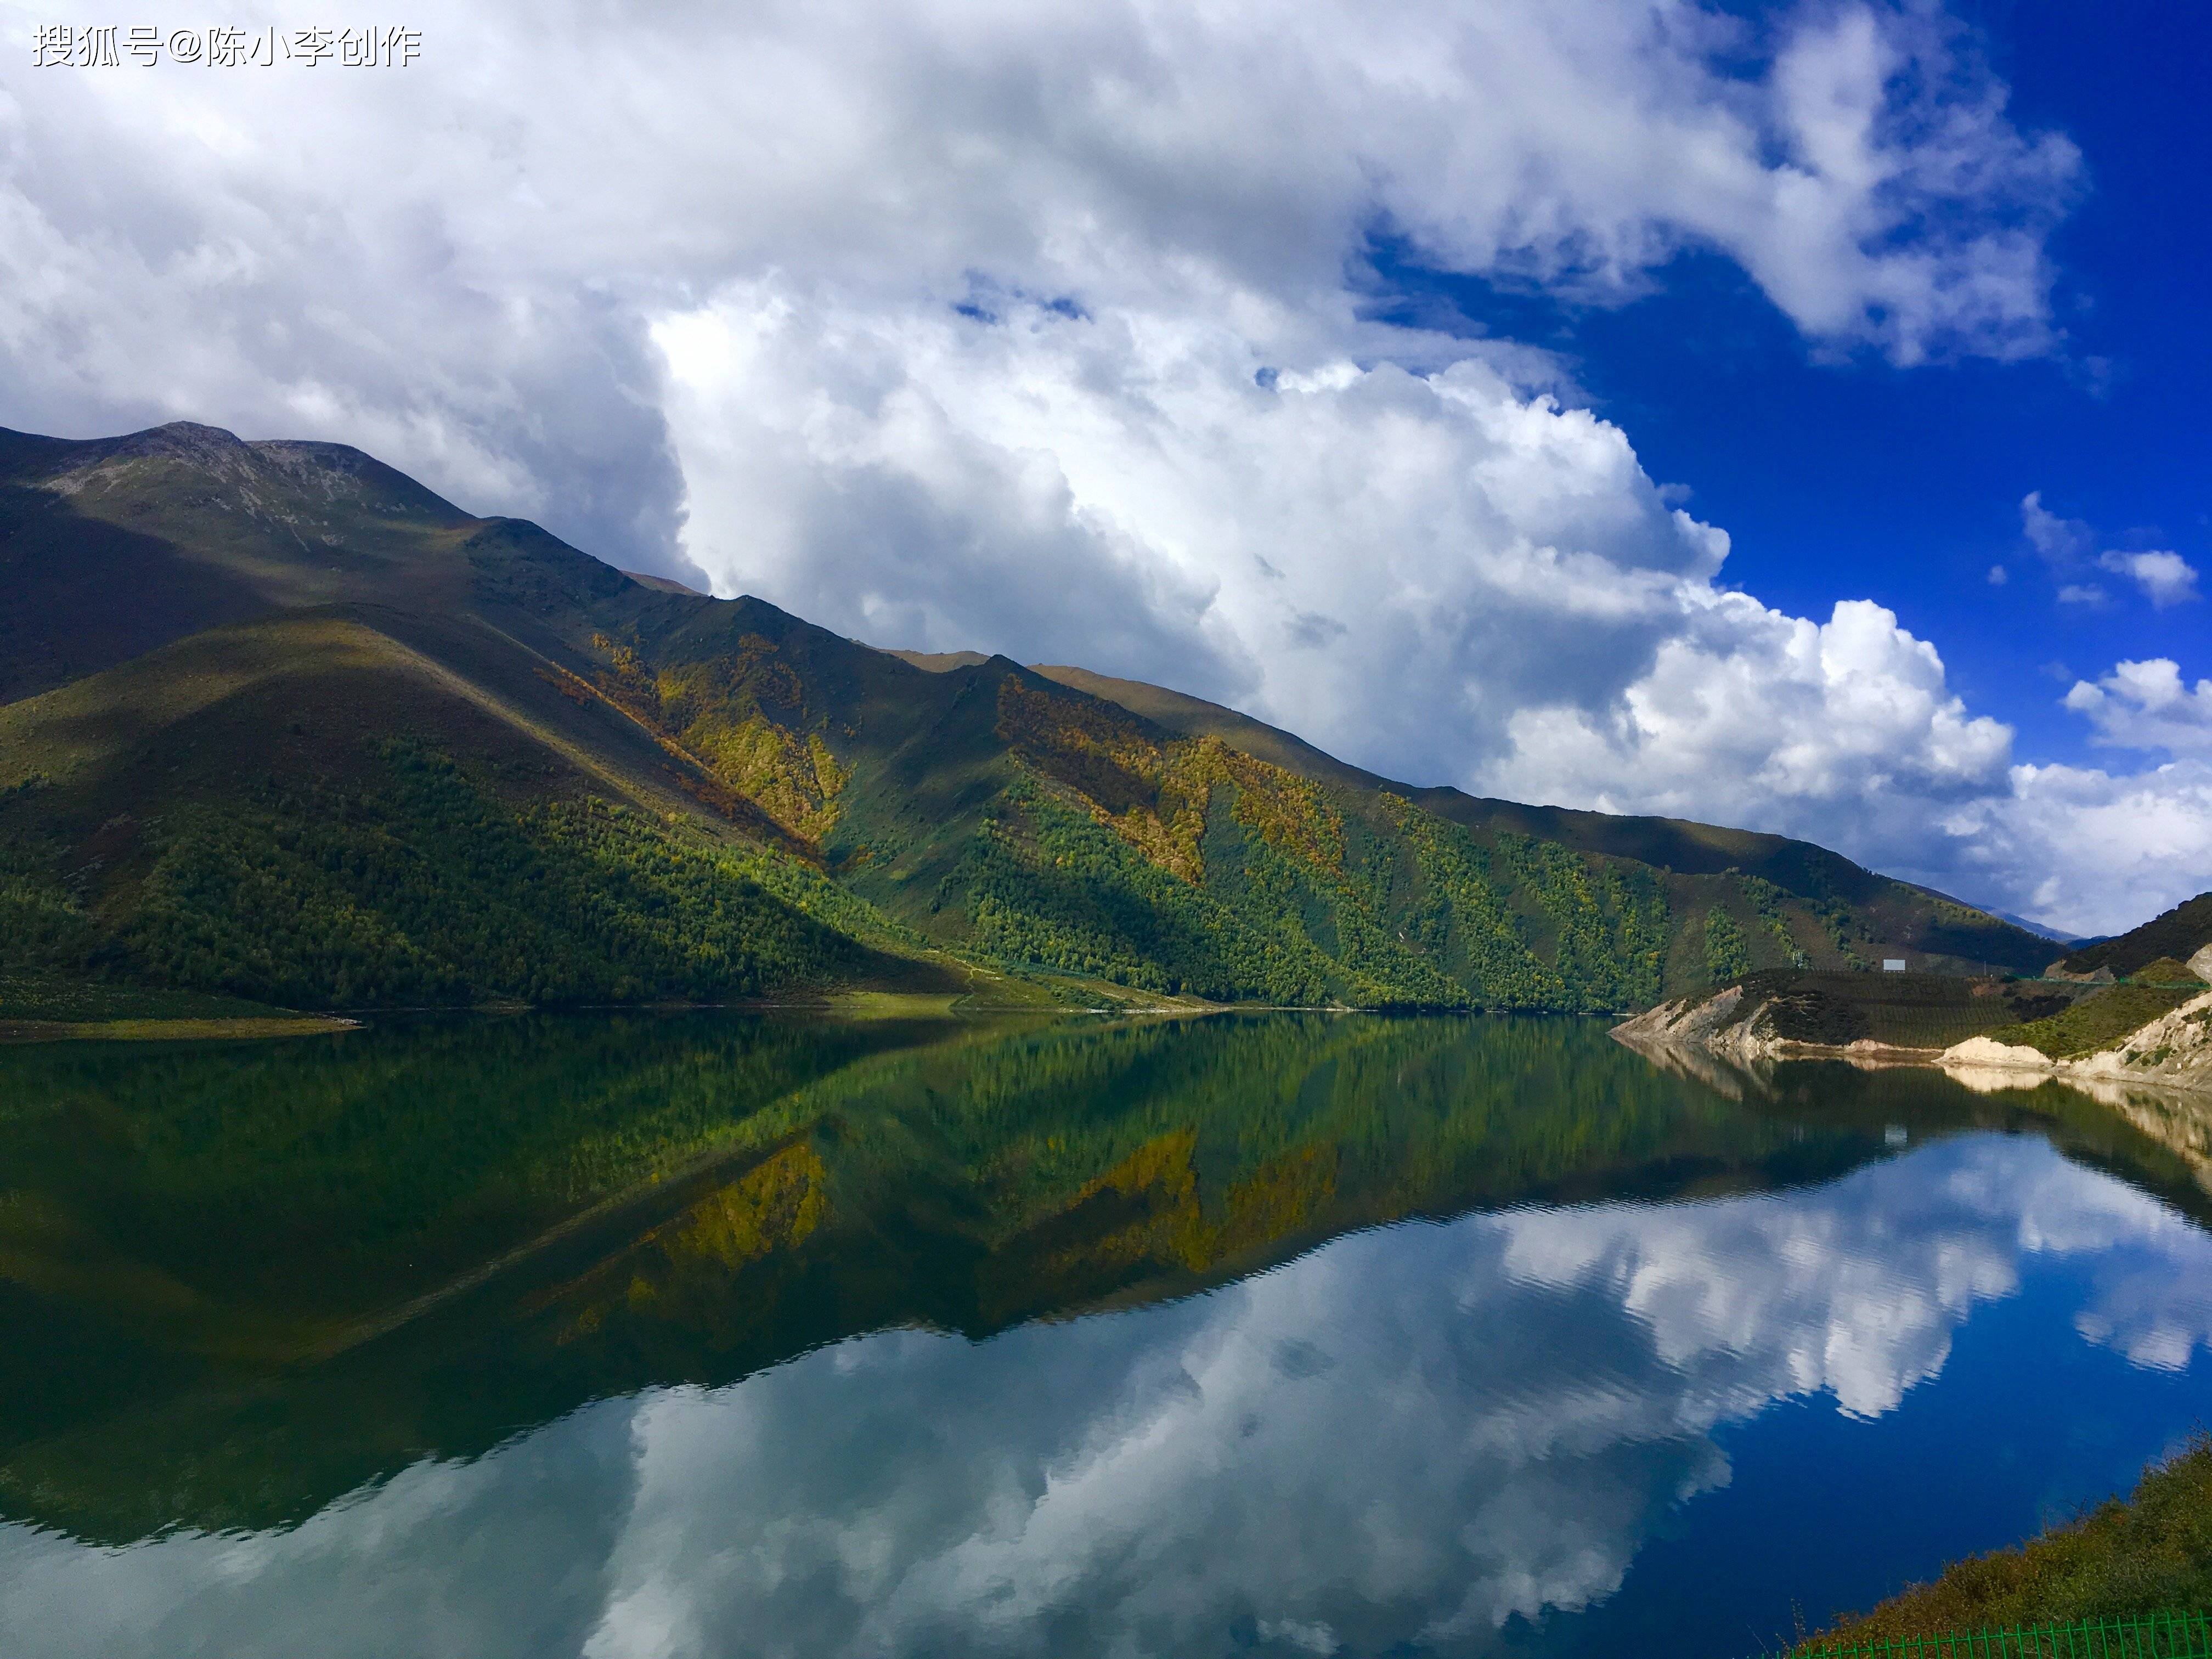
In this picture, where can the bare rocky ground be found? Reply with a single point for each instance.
(1749, 1022)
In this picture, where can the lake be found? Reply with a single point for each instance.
(626, 1335)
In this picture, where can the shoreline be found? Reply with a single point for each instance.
(2173, 1052)
(862, 1005)
(155, 1030)
(1983, 1075)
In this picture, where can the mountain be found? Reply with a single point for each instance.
(276, 723)
(2072, 941)
(2182, 932)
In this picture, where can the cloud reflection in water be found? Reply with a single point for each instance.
(1406, 1436)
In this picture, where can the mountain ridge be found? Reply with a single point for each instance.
(959, 813)
(1681, 844)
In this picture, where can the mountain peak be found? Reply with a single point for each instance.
(187, 437)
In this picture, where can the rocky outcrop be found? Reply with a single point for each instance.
(1741, 1027)
(1983, 1054)
(1705, 1022)
(2100, 975)
(2173, 1051)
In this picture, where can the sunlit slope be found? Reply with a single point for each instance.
(1061, 824)
(1900, 914)
(1004, 812)
(309, 812)
(111, 547)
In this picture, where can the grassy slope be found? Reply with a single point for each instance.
(990, 810)
(996, 810)
(37, 997)
(238, 814)
(1779, 899)
(2100, 1020)
(113, 547)
(1899, 916)
(2152, 1554)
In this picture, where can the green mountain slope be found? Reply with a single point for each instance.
(304, 812)
(1891, 907)
(2180, 933)
(358, 747)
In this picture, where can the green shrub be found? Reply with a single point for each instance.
(2099, 1020)
(1726, 955)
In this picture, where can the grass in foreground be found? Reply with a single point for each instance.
(2150, 1553)
(2168, 972)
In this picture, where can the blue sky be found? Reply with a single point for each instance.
(1615, 402)
(1840, 477)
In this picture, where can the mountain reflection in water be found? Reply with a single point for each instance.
(709, 1335)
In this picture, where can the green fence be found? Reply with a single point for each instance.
(2152, 1636)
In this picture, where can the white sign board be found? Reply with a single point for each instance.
(1892, 965)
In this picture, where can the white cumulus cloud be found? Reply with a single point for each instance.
(1049, 332)
(1778, 719)
(2147, 705)
(456, 263)
(2088, 851)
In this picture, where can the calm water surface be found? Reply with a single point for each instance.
(711, 1335)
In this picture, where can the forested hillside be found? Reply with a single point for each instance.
(288, 727)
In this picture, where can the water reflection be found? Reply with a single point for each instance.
(798, 1400)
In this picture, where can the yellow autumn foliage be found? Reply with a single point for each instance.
(712, 712)
(1155, 794)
